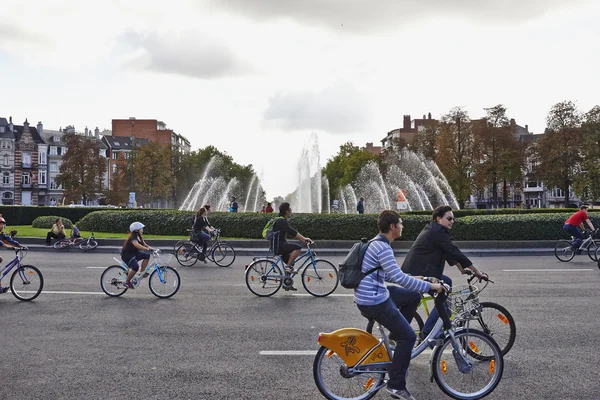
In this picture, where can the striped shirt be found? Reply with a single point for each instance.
(372, 290)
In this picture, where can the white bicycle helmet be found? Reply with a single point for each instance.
(136, 226)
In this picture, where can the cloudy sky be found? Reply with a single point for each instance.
(256, 77)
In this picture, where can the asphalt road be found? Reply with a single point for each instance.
(74, 342)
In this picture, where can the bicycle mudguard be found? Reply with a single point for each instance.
(352, 344)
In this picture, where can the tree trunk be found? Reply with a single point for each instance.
(505, 194)
(495, 192)
(567, 194)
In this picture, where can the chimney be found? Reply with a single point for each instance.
(25, 125)
(40, 128)
(97, 133)
(429, 116)
(406, 122)
(86, 131)
(423, 116)
(10, 124)
(527, 128)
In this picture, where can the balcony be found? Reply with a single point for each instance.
(28, 185)
(29, 165)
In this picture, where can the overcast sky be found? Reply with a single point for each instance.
(255, 77)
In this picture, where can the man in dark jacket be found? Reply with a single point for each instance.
(430, 252)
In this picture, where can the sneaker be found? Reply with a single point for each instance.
(293, 289)
(399, 394)
(289, 270)
(128, 285)
(145, 275)
(3, 289)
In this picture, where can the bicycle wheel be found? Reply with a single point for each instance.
(336, 383)
(263, 277)
(592, 248)
(320, 278)
(61, 244)
(113, 279)
(497, 322)
(168, 285)
(178, 244)
(416, 323)
(88, 245)
(223, 255)
(564, 250)
(26, 282)
(187, 254)
(482, 373)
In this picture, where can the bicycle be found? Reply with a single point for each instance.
(26, 282)
(85, 244)
(218, 252)
(493, 319)
(164, 281)
(565, 251)
(264, 275)
(352, 364)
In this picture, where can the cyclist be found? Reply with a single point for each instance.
(288, 251)
(5, 238)
(393, 307)
(131, 252)
(574, 225)
(430, 252)
(202, 229)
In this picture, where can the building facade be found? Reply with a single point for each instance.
(152, 130)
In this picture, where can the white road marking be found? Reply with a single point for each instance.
(58, 292)
(549, 270)
(331, 295)
(96, 267)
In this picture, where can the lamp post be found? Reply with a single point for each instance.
(132, 186)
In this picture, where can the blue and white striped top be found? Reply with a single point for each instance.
(372, 290)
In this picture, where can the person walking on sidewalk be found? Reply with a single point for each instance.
(574, 225)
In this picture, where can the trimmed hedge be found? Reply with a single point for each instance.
(49, 220)
(25, 215)
(335, 226)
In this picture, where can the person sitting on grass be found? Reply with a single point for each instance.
(5, 238)
(131, 252)
(57, 232)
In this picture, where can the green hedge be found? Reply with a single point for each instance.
(25, 215)
(49, 220)
(335, 226)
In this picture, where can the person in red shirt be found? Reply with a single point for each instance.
(574, 225)
(269, 209)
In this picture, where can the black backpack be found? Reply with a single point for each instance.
(350, 270)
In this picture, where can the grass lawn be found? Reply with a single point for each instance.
(28, 231)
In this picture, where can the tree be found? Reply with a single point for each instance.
(426, 140)
(343, 168)
(82, 169)
(153, 173)
(455, 157)
(587, 183)
(559, 149)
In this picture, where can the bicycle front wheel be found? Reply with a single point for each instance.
(497, 322)
(113, 280)
(472, 374)
(187, 255)
(592, 249)
(26, 282)
(320, 278)
(61, 244)
(223, 255)
(564, 250)
(164, 282)
(88, 245)
(336, 383)
(263, 277)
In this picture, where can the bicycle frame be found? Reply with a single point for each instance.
(152, 266)
(10, 265)
(308, 256)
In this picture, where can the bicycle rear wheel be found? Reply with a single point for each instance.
(223, 255)
(187, 254)
(263, 277)
(61, 244)
(564, 250)
(113, 280)
(593, 246)
(475, 380)
(26, 282)
(335, 383)
(320, 278)
(88, 245)
(164, 284)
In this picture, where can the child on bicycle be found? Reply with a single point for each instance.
(131, 252)
(5, 238)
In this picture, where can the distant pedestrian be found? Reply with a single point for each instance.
(269, 208)
(263, 209)
(234, 205)
(360, 206)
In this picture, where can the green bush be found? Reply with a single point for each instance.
(25, 215)
(49, 220)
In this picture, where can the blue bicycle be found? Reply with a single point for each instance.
(26, 282)
(264, 276)
(164, 281)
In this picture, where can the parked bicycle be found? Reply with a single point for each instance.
(264, 276)
(26, 282)
(163, 280)
(565, 251)
(85, 244)
(217, 251)
(465, 364)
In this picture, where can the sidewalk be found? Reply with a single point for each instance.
(328, 247)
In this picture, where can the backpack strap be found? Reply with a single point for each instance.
(375, 239)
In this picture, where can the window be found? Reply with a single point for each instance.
(26, 179)
(6, 178)
(6, 145)
(6, 160)
(42, 177)
(53, 167)
(56, 139)
(1, 129)
(43, 158)
(102, 152)
(114, 168)
(52, 150)
(53, 184)
(26, 158)
(126, 156)
(114, 155)
(61, 151)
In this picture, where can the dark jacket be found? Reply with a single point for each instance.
(431, 250)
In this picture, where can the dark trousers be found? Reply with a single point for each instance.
(395, 314)
(203, 239)
(576, 233)
(51, 236)
(434, 314)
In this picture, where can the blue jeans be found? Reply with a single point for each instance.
(203, 240)
(576, 233)
(434, 314)
(395, 314)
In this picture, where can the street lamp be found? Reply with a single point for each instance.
(132, 186)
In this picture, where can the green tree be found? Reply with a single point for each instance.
(152, 171)
(82, 169)
(587, 183)
(343, 168)
(559, 150)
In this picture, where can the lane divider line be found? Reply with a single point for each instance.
(549, 270)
